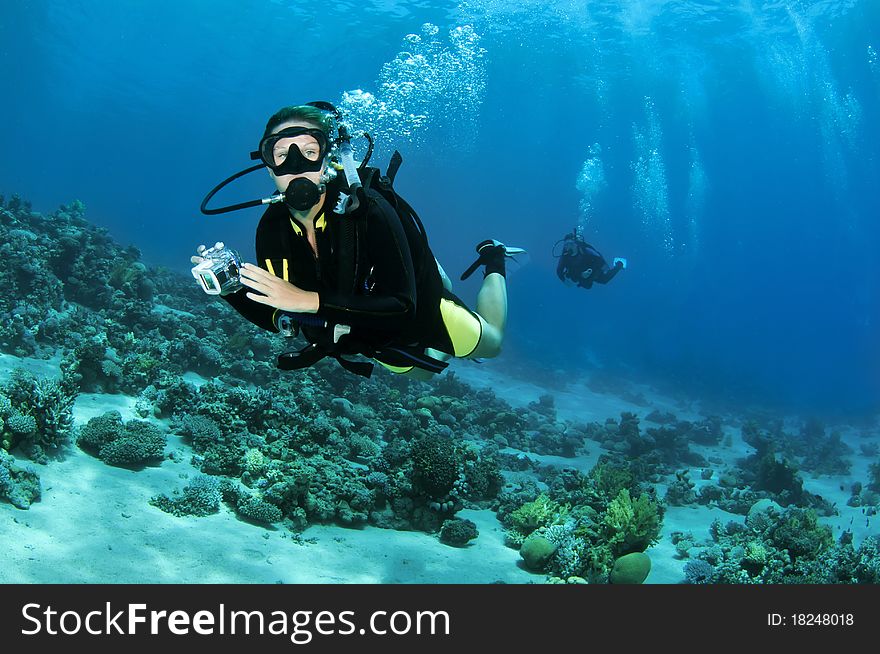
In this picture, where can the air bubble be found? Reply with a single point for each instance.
(429, 85)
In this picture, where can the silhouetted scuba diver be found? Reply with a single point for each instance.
(581, 264)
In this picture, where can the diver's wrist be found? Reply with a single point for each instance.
(314, 302)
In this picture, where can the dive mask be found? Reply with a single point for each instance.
(297, 150)
(285, 154)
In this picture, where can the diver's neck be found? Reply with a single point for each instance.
(306, 219)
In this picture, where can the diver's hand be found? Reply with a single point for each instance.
(276, 292)
(621, 261)
(201, 250)
(198, 258)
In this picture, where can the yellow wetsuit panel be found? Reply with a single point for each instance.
(396, 369)
(464, 328)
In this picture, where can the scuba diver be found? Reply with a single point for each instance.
(344, 260)
(581, 264)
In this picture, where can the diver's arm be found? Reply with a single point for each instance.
(393, 303)
(251, 310)
(262, 315)
(561, 268)
(259, 314)
(607, 274)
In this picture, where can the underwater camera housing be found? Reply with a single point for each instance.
(219, 273)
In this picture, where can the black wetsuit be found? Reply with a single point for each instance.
(395, 296)
(581, 263)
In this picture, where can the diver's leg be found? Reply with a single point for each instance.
(447, 283)
(492, 298)
(607, 274)
(492, 310)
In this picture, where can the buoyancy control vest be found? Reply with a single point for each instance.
(338, 341)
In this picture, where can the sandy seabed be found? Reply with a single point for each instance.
(94, 523)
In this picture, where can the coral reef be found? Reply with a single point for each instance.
(591, 521)
(812, 449)
(772, 474)
(659, 450)
(632, 525)
(781, 545)
(536, 552)
(200, 497)
(319, 446)
(631, 568)
(458, 532)
(35, 414)
(19, 486)
(132, 444)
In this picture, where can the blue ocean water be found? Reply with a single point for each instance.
(728, 150)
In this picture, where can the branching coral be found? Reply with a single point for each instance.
(632, 525)
(39, 413)
(542, 512)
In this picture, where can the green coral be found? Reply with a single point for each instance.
(801, 534)
(255, 462)
(608, 479)
(755, 557)
(542, 512)
(631, 568)
(631, 525)
(536, 552)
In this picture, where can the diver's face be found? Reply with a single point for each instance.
(309, 147)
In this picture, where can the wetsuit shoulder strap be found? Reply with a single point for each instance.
(409, 219)
(352, 249)
(405, 212)
(393, 167)
(348, 248)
